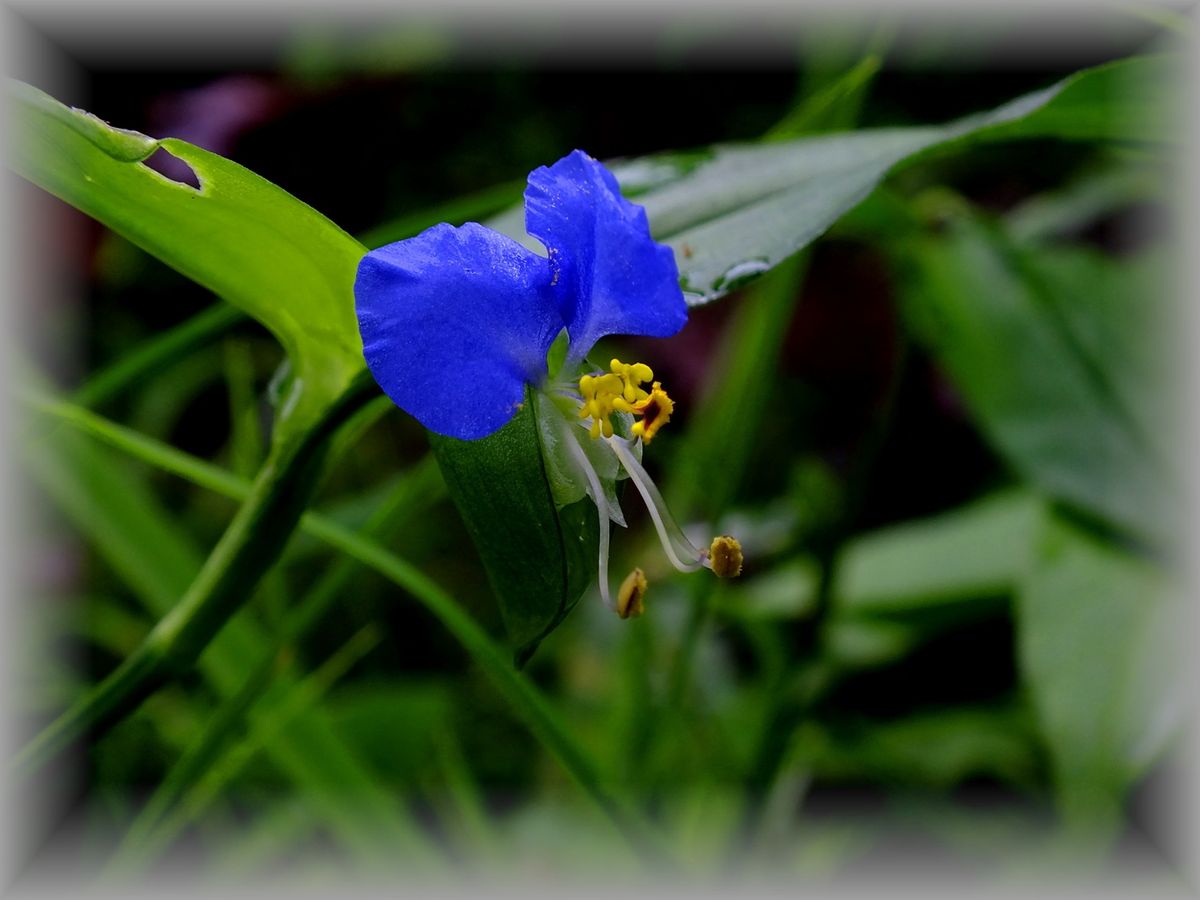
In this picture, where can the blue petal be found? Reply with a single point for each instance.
(610, 277)
(455, 322)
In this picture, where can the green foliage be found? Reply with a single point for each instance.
(1018, 627)
(1102, 642)
(142, 543)
(539, 558)
(734, 212)
(1052, 350)
(238, 235)
(977, 550)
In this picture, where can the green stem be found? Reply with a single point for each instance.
(143, 845)
(795, 697)
(166, 347)
(528, 702)
(699, 612)
(229, 716)
(525, 698)
(248, 548)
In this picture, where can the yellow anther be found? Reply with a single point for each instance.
(610, 384)
(655, 411)
(631, 595)
(725, 557)
(632, 377)
(620, 390)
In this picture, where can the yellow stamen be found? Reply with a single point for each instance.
(631, 595)
(632, 377)
(620, 390)
(725, 556)
(655, 411)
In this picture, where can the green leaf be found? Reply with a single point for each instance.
(973, 552)
(240, 236)
(1057, 354)
(935, 750)
(977, 550)
(538, 558)
(1128, 100)
(1102, 636)
(1087, 200)
(733, 212)
(747, 208)
(526, 699)
(133, 534)
(832, 108)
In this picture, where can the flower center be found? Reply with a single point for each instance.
(578, 464)
(620, 390)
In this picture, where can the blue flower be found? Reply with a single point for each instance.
(457, 323)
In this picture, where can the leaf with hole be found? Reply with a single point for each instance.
(248, 241)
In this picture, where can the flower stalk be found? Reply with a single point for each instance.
(250, 546)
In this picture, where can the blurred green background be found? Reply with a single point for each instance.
(943, 434)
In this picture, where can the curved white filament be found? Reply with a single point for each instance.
(675, 543)
(597, 492)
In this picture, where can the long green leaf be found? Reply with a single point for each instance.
(977, 550)
(746, 209)
(1102, 639)
(834, 107)
(238, 235)
(733, 212)
(974, 552)
(1058, 356)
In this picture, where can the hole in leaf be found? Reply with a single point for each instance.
(172, 167)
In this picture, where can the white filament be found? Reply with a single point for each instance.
(674, 541)
(597, 492)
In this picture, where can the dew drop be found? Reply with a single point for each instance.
(740, 273)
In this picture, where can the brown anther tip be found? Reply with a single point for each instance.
(725, 556)
(631, 595)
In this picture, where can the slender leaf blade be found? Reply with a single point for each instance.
(1101, 641)
(747, 208)
(139, 540)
